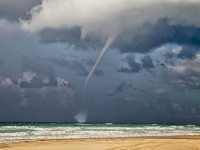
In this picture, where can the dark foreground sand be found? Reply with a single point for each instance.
(147, 143)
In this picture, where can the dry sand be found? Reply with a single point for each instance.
(147, 143)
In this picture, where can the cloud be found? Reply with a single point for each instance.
(29, 82)
(71, 36)
(32, 80)
(120, 88)
(75, 65)
(185, 74)
(1, 61)
(7, 29)
(5, 82)
(35, 82)
(28, 76)
(150, 36)
(24, 100)
(144, 63)
(179, 68)
(29, 63)
(175, 65)
(98, 72)
(91, 15)
(188, 52)
(88, 62)
(130, 20)
(13, 9)
(147, 62)
(135, 67)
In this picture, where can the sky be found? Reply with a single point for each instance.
(149, 73)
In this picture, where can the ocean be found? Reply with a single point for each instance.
(11, 132)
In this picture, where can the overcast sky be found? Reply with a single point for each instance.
(150, 73)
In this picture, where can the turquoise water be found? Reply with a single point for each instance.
(40, 131)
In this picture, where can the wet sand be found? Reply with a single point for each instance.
(142, 143)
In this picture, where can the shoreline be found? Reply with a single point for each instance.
(156, 142)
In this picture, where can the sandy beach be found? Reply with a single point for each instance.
(146, 143)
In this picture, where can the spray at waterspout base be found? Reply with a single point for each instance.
(81, 117)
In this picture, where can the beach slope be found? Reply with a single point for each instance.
(146, 143)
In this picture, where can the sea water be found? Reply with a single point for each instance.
(10, 132)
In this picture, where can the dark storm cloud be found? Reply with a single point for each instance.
(134, 66)
(150, 36)
(35, 82)
(147, 62)
(188, 52)
(13, 9)
(142, 39)
(98, 72)
(20, 103)
(1, 61)
(88, 62)
(56, 104)
(189, 79)
(120, 88)
(146, 109)
(75, 65)
(181, 70)
(39, 66)
(71, 36)
(46, 97)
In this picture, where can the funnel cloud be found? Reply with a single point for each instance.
(103, 51)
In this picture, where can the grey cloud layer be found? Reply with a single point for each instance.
(95, 16)
(1, 61)
(35, 64)
(185, 74)
(142, 39)
(150, 36)
(155, 22)
(14, 9)
(33, 100)
(178, 67)
(135, 67)
(76, 66)
(43, 81)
